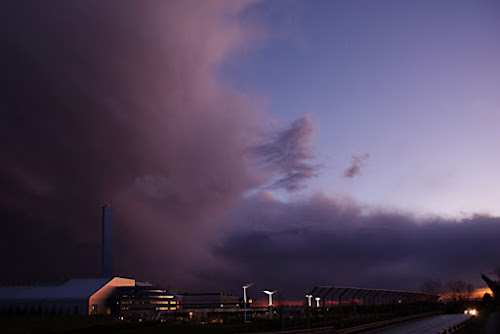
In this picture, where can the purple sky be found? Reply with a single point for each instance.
(290, 143)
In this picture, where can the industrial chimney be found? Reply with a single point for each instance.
(107, 241)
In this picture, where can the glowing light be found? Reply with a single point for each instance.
(270, 294)
(309, 300)
(479, 293)
(471, 311)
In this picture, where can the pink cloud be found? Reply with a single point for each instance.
(356, 163)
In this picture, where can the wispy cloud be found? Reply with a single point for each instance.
(357, 162)
(289, 156)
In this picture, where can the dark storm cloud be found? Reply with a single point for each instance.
(356, 163)
(117, 102)
(324, 241)
(288, 155)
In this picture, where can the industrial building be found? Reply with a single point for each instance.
(111, 295)
(143, 301)
(77, 296)
(82, 296)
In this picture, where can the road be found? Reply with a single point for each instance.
(427, 326)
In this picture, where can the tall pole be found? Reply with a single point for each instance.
(309, 297)
(245, 302)
(270, 293)
(107, 241)
(245, 287)
(309, 305)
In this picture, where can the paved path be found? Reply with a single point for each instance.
(429, 325)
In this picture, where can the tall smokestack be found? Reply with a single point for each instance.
(107, 241)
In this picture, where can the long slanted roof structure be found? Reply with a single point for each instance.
(80, 288)
(368, 296)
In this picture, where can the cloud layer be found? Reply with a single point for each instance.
(293, 246)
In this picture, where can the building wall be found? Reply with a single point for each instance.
(54, 307)
(98, 302)
(77, 296)
(209, 300)
(145, 302)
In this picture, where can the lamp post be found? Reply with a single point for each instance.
(270, 294)
(245, 287)
(309, 297)
(317, 301)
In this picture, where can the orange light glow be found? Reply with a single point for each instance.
(479, 293)
(476, 294)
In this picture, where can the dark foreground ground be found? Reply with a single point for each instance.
(485, 323)
(492, 324)
(77, 324)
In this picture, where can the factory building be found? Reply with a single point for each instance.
(84, 296)
(123, 297)
(144, 302)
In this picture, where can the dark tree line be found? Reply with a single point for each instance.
(456, 290)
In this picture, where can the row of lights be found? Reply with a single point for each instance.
(267, 292)
(309, 300)
(271, 293)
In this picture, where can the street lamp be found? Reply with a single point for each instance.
(317, 301)
(270, 293)
(245, 287)
(309, 297)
